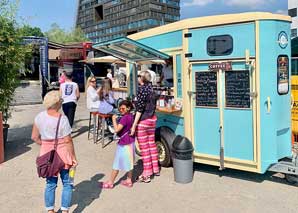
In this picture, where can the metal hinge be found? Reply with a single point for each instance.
(191, 93)
(187, 35)
(187, 55)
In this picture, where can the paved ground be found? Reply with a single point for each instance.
(211, 191)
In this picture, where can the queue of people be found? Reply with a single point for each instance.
(127, 126)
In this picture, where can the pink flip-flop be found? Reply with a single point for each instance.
(126, 183)
(107, 185)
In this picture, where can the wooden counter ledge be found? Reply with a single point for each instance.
(166, 110)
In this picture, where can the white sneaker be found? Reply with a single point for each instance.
(111, 129)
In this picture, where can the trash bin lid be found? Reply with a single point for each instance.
(182, 144)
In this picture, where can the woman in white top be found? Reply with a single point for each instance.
(43, 133)
(70, 94)
(92, 95)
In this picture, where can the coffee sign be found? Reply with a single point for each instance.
(225, 66)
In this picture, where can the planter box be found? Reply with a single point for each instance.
(1, 140)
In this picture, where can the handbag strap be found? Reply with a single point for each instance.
(122, 136)
(56, 136)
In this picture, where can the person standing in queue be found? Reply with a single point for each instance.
(44, 133)
(62, 77)
(144, 127)
(70, 94)
(125, 152)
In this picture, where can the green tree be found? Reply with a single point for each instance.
(12, 54)
(59, 35)
(27, 30)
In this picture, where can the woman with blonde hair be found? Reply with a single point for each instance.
(44, 134)
(144, 126)
(92, 95)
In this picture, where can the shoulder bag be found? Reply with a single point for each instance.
(49, 164)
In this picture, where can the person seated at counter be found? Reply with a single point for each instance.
(167, 73)
(92, 95)
(107, 101)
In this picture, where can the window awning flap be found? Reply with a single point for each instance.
(130, 50)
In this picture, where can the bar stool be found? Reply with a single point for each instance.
(94, 114)
(103, 122)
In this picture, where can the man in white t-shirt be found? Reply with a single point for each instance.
(109, 75)
(70, 94)
(167, 74)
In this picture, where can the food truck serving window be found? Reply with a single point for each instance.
(220, 45)
(283, 74)
(130, 50)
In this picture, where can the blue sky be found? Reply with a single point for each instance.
(43, 13)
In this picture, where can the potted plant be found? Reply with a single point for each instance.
(12, 57)
(5, 127)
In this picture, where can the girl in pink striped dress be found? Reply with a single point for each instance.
(144, 125)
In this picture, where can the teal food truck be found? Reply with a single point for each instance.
(231, 81)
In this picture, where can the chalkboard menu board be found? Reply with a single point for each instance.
(237, 89)
(206, 89)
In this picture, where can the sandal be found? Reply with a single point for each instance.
(142, 179)
(107, 185)
(126, 183)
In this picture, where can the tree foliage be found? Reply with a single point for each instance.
(12, 54)
(27, 30)
(59, 35)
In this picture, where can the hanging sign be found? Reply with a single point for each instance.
(225, 66)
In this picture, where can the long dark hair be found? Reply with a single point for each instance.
(105, 88)
(126, 103)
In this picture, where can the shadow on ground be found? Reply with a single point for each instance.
(86, 192)
(137, 169)
(18, 142)
(79, 131)
(237, 174)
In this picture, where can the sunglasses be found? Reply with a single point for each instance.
(93, 81)
(139, 76)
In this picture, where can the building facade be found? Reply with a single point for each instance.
(103, 20)
(292, 11)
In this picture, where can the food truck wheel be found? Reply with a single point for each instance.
(164, 138)
(163, 153)
(292, 179)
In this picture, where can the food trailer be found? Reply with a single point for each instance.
(231, 85)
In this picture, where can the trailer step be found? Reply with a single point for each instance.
(286, 166)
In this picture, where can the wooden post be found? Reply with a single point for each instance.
(1, 140)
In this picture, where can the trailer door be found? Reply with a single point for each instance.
(223, 96)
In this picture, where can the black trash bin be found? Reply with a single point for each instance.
(182, 155)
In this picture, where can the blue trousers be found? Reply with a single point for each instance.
(49, 195)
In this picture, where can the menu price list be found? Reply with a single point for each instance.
(206, 89)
